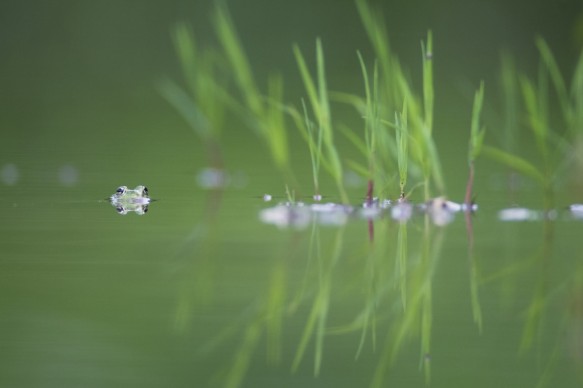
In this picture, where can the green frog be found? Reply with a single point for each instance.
(127, 200)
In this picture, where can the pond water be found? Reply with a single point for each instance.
(200, 292)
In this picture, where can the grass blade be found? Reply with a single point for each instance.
(182, 102)
(515, 162)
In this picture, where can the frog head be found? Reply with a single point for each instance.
(127, 200)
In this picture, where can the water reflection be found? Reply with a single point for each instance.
(9, 174)
(68, 175)
(212, 178)
(385, 276)
(399, 298)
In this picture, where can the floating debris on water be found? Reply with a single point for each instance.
(576, 211)
(441, 210)
(286, 216)
(330, 213)
(519, 214)
(402, 211)
(299, 215)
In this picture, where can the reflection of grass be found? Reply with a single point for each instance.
(316, 322)
(401, 261)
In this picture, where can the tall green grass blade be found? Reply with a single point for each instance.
(318, 97)
(511, 100)
(315, 146)
(238, 60)
(307, 80)
(266, 115)
(276, 135)
(557, 79)
(187, 108)
(536, 116)
(185, 47)
(577, 97)
(428, 93)
(354, 139)
(515, 162)
(324, 114)
(372, 120)
(428, 102)
(476, 133)
(376, 32)
(402, 139)
(358, 168)
(368, 96)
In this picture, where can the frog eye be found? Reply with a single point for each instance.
(145, 191)
(121, 210)
(120, 190)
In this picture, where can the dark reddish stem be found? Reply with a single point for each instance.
(369, 197)
(469, 189)
(369, 192)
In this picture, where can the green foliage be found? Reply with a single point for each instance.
(265, 114)
(372, 117)
(397, 90)
(477, 133)
(402, 138)
(554, 134)
(314, 138)
(510, 97)
(515, 162)
(200, 104)
(550, 65)
(320, 104)
(428, 93)
(390, 103)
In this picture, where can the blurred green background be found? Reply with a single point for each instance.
(172, 298)
(88, 69)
